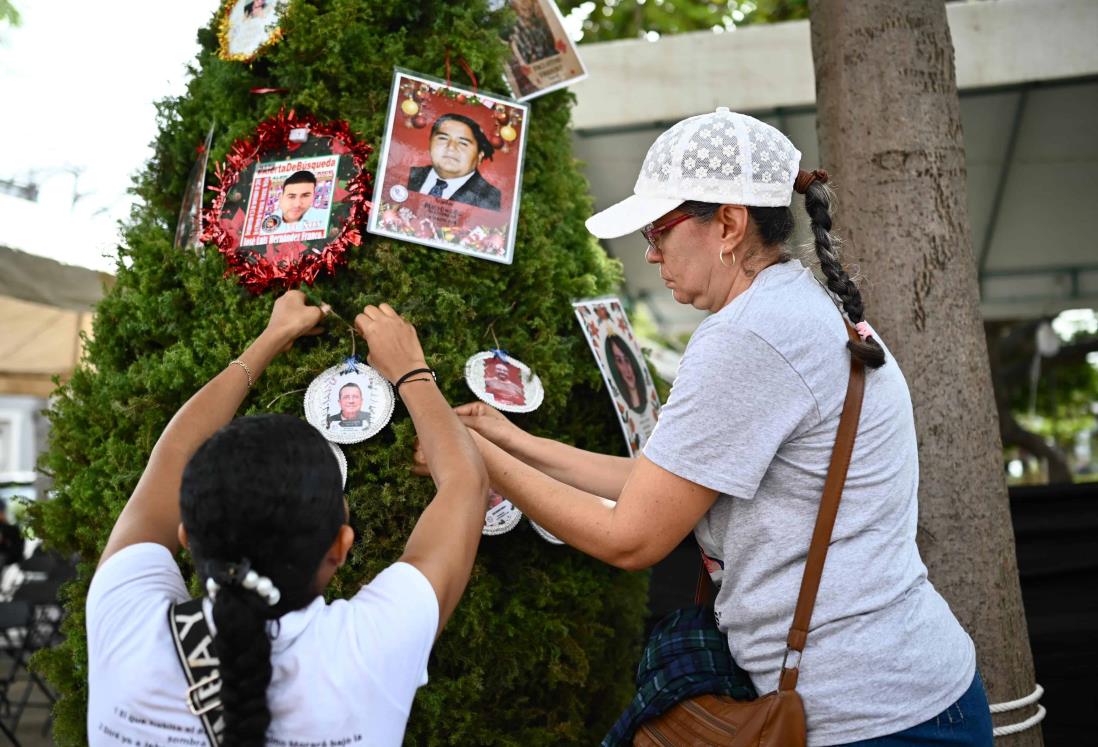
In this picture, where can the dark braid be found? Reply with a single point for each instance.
(244, 651)
(265, 490)
(817, 203)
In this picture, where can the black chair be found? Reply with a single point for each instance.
(16, 622)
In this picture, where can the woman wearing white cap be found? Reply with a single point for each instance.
(745, 441)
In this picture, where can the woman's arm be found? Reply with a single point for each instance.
(588, 471)
(152, 513)
(443, 544)
(655, 510)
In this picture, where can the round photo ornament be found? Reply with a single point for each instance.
(248, 28)
(502, 515)
(349, 403)
(504, 382)
(341, 460)
(289, 202)
(545, 535)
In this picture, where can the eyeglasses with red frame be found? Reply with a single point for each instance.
(652, 231)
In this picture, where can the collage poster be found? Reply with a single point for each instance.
(543, 57)
(290, 201)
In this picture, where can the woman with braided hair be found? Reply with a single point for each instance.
(260, 658)
(742, 449)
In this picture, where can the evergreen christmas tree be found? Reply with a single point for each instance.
(543, 646)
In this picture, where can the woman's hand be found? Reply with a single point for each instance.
(292, 317)
(490, 423)
(419, 458)
(394, 345)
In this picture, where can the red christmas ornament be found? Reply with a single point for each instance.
(419, 121)
(461, 98)
(501, 113)
(495, 140)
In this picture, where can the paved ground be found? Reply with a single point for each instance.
(34, 718)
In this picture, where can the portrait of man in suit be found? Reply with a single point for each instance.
(457, 146)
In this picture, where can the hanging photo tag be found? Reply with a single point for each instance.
(502, 515)
(551, 539)
(188, 230)
(619, 358)
(543, 57)
(504, 382)
(349, 403)
(247, 28)
(341, 460)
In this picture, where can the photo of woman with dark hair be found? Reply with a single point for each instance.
(626, 371)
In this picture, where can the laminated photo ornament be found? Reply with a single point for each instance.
(248, 28)
(502, 516)
(290, 201)
(543, 56)
(450, 170)
(545, 535)
(349, 403)
(341, 460)
(619, 358)
(188, 230)
(504, 382)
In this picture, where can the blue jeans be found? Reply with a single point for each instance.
(966, 722)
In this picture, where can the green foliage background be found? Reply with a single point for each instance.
(543, 647)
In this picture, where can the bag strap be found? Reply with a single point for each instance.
(194, 647)
(825, 519)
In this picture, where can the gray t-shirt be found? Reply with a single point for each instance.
(753, 415)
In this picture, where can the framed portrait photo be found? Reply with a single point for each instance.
(248, 27)
(619, 358)
(450, 171)
(543, 57)
(349, 403)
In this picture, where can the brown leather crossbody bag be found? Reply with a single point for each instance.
(777, 718)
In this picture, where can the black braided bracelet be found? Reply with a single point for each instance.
(412, 373)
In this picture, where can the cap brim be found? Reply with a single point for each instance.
(631, 214)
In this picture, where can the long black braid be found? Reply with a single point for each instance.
(265, 490)
(817, 203)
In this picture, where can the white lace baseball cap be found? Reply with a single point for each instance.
(723, 157)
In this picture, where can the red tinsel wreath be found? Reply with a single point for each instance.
(308, 257)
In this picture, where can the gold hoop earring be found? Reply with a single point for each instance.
(720, 256)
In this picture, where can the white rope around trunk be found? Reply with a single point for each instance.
(1013, 705)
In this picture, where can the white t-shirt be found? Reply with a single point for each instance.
(344, 673)
(753, 415)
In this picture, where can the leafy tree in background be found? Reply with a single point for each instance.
(625, 19)
(543, 647)
(8, 13)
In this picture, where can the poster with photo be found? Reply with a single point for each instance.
(543, 57)
(623, 368)
(450, 170)
(349, 403)
(248, 27)
(290, 201)
(188, 230)
(504, 382)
